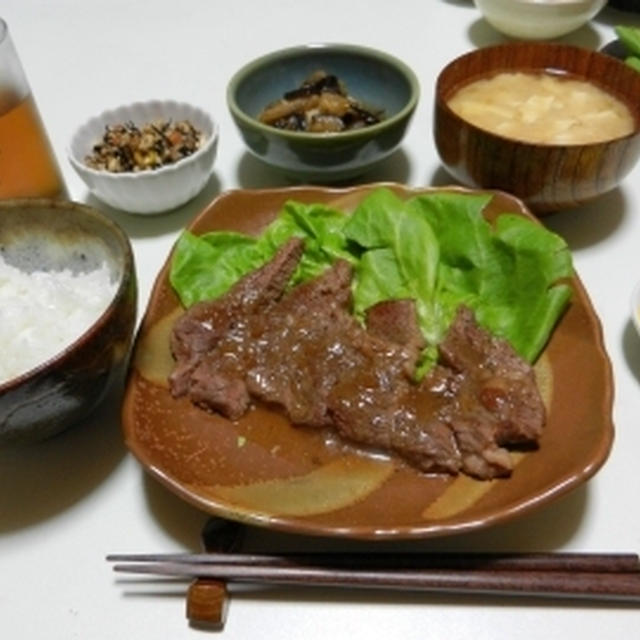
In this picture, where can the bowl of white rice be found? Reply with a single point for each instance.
(67, 314)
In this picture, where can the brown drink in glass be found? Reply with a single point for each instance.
(28, 167)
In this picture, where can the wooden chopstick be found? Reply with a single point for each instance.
(611, 577)
(569, 561)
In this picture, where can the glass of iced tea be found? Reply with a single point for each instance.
(28, 166)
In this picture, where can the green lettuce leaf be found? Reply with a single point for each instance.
(320, 227)
(204, 267)
(436, 248)
(630, 37)
(407, 255)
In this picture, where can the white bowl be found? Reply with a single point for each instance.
(538, 19)
(155, 190)
(635, 307)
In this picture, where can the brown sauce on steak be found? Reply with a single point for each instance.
(303, 353)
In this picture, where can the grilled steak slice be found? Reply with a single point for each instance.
(213, 389)
(268, 352)
(501, 383)
(481, 457)
(300, 357)
(397, 321)
(383, 411)
(305, 354)
(197, 331)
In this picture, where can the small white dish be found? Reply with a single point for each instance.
(156, 190)
(538, 19)
(635, 307)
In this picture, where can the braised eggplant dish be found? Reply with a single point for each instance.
(320, 105)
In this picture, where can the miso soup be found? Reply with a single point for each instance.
(543, 108)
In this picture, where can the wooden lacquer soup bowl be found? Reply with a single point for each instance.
(547, 177)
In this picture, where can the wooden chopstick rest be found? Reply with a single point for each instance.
(208, 598)
(207, 603)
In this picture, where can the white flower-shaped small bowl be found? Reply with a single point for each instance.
(155, 190)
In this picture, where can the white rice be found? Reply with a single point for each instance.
(43, 312)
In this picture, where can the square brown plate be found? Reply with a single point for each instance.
(264, 471)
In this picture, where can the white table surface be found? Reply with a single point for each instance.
(67, 502)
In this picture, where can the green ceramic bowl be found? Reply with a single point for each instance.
(374, 78)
